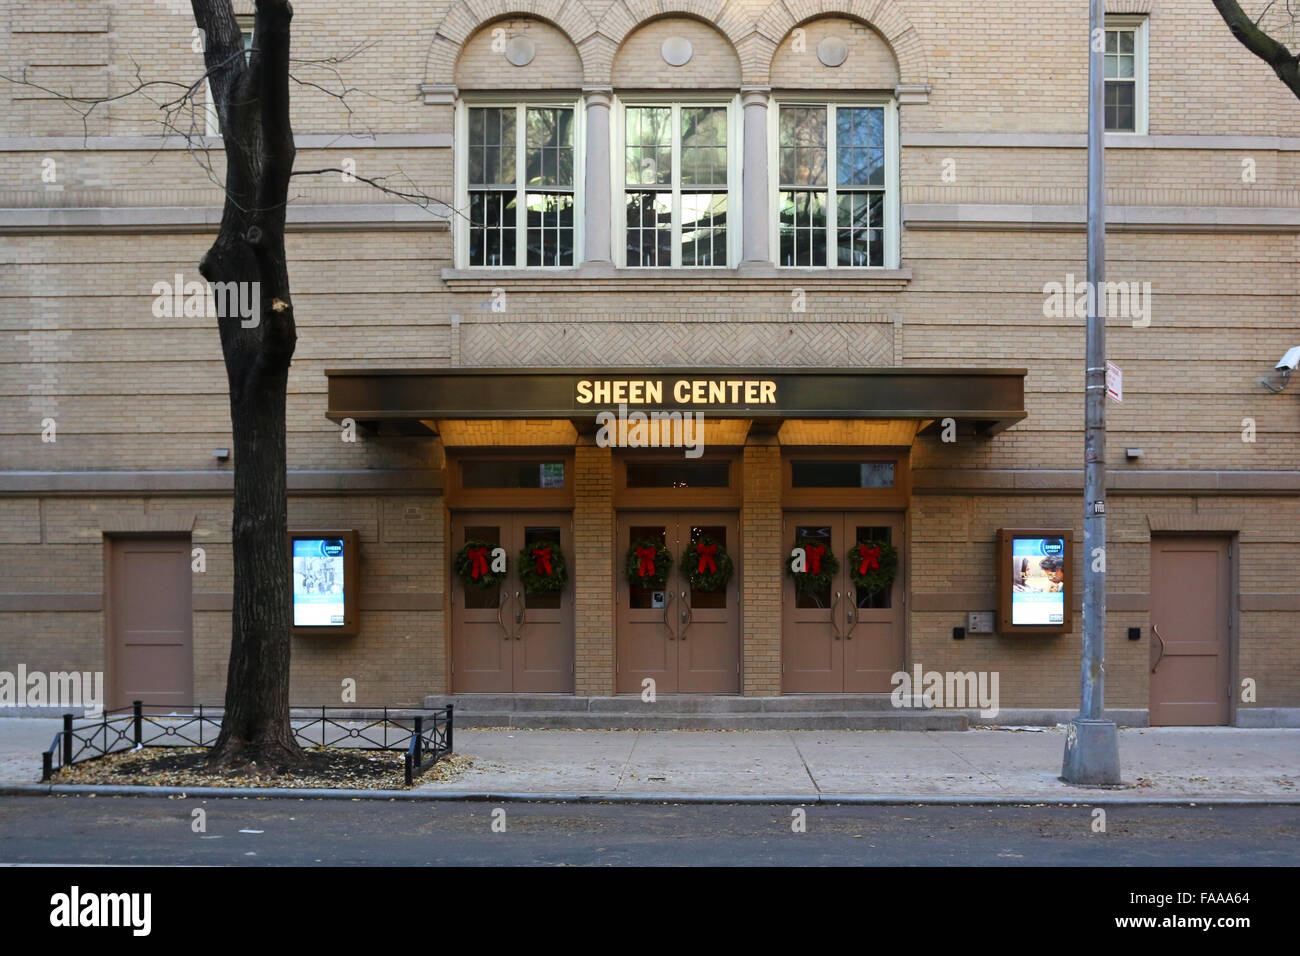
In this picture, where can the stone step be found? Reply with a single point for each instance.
(671, 703)
(902, 719)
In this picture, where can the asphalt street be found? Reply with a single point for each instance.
(151, 830)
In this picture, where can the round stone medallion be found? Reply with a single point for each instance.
(832, 51)
(520, 50)
(677, 51)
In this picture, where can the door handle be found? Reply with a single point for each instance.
(834, 604)
(686, 617)
(848, 635)
(521, 617)
(1156, 631)
(668, 601)
(501, 606)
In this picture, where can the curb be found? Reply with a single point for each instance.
(1102, 796)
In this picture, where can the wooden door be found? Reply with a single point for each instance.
(482, 641)
(811, 655)
(504, 640)
(842, 639)
(873, 625)
(1191, 596)
(645, 624)
(686, 640)
(708, 622)
(150, 626)
(542, 655)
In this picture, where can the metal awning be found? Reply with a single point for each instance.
(408, 401)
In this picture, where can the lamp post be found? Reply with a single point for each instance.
(1092, 741)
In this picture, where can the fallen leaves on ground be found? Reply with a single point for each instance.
(336, 769)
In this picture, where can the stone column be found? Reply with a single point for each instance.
(754, 99)
(596, 216)
(760, 529)
(593, 561)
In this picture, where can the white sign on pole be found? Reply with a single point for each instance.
(1114, 382)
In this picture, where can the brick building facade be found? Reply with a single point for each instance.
(875, 186)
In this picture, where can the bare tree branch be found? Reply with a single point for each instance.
(1284, 63)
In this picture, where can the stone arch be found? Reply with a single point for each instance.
(870, 62)
(464, 18)
(483, 66)
(637, 62)
(885, 17)
(625, 17)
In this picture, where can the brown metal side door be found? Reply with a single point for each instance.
(1190, 606)
(151, 633)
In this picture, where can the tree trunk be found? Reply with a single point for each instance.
(252, 102)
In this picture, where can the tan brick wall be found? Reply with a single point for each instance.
(129, 390)
(760, 532)
(593, 574)
(953, 548)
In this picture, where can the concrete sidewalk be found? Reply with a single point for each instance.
(1183, 763)
(1157, 763)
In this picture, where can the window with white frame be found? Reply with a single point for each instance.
(836, 185)
(1126, 75)
(677, 184)
(519, 173)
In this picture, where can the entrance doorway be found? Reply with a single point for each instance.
(842, 639)
(687, 640)
(505, 640)
(150, 622)
(1191, 598)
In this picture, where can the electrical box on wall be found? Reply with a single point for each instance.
(979, 622)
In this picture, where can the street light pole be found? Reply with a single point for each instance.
(1092, 742)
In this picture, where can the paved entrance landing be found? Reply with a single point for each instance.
(694, 712)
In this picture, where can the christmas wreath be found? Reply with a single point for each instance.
(473, 565)
(707, 564)
(820, 567)
(647, 564)
(873, 565)
(542, 568)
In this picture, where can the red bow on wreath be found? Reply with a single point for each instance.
(647, 558)
(706, 553)
(814, 553)
(477, 562)
(870, 559)
(543, 558)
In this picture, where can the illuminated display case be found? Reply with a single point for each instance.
(324, 587)
(1035, 574)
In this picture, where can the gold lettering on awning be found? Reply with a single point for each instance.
(684, 391)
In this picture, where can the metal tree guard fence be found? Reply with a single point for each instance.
(425, 737)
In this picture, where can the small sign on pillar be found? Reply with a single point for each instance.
(1114, 382)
